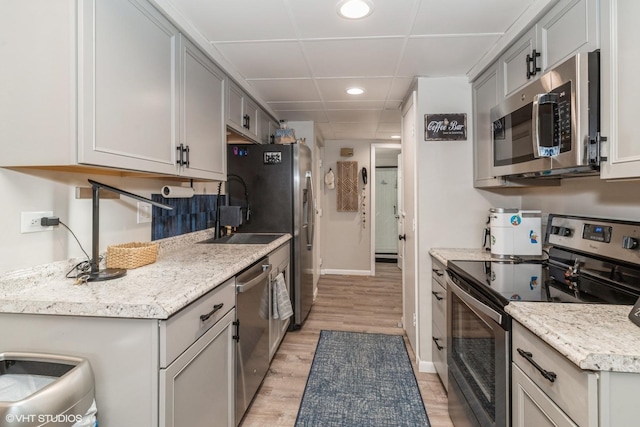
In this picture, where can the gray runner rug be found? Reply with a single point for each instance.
(361, 380)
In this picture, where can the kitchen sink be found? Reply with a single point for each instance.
(244, 239)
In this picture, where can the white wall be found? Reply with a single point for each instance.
(451, 213)
(33, 190)
(588, 196)
(346, 247)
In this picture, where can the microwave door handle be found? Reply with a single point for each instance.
(538, 150)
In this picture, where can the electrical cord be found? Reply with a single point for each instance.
(83, 267)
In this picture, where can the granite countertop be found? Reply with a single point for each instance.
(183, 272)
(449, 254)
(597, 337)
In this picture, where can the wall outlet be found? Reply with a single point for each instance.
(144, 212)
(30, 221)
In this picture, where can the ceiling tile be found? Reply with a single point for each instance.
(293, 106)
(392, 105)
(353, 116)
(335, 89)
(286, 90)
(301, 116)
(391, 116)
(353, 57)
(466, 17)
(354, 105)
(443, 56)
(266, 59)
(400, 87)
(389, 127)
(326, 130)
(232, 20)
(387, 135)
(319, 19)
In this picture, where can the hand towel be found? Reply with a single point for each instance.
(281, 302)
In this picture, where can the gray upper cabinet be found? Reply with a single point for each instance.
(242, 113)
(619, 59)
(127, 87)
(485, 96)
(117, 86)
(571, 26)
(202, 130)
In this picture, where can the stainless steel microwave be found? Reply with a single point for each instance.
(551, 126)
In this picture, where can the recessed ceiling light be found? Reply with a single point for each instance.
(395, 136)
(355, 91)
(355, 9)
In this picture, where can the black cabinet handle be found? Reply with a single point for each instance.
(438, 346)
(180, 160)
(532, 64)
(551, 376)
(216, 308)
(435, 294)
(236, 337)
(438, 272)
(186, 150)
(402, 237)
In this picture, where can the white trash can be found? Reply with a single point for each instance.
(38, 389)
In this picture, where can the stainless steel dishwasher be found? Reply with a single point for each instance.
(252, 336)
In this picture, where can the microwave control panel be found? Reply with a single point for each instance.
(563, 122)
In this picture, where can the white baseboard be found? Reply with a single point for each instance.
(424, 366)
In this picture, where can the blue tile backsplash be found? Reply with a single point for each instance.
(188, 215)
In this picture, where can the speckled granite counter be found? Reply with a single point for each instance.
(446, 254)
(593, 336)
(183, 272)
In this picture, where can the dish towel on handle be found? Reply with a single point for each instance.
(281, 302)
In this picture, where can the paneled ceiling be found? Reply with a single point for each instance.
(299, 56)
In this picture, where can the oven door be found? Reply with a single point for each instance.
(478, 361)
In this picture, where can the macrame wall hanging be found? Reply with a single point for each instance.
(347, 186)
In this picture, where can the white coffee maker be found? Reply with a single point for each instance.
(515, 232)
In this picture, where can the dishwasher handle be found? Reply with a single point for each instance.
(260, 278)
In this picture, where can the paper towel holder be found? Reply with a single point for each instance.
(97, 275)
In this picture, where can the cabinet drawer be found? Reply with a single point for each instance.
(439, 306)
(439, 351)
(573, 389)
(183, 328)
(438, 272)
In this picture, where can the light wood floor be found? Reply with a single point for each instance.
(344, 303)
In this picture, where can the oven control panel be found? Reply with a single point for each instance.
(609, 238)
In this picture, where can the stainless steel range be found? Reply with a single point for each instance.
(589, 260)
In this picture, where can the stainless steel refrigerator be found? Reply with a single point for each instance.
(273, 185)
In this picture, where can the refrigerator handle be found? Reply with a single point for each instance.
(310, 211)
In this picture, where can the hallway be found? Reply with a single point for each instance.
(345, 303)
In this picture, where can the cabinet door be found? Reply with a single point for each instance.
(202, 127)
(570, 27)
(265, 128)
(531, 407)
(252, 118)
(128, 86)
(235, 100)
(485, 97)
(513, 64)
(197, 389)
(620, 89)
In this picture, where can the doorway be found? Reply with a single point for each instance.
(384, 202)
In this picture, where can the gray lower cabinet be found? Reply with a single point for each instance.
(569, 397)
(199, 385)
(148, 372)
(197, 362)
(439, 319)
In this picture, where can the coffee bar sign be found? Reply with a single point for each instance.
(445, 127)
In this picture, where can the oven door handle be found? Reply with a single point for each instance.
(474, 304)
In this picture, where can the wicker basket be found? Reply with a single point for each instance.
(131, 255)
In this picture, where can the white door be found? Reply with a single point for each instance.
(386, 212)
(409, 232)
